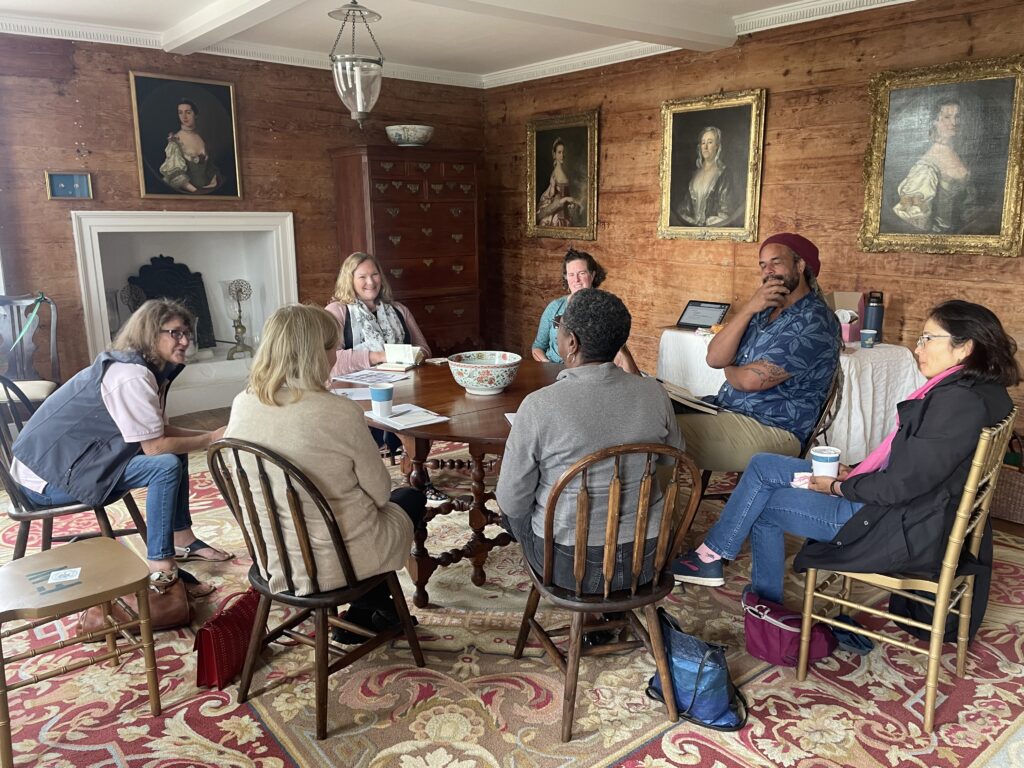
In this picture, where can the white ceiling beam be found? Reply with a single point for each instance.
(220, 21)
(665, 22)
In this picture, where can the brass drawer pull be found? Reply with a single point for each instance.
(437, 188)
(428, 262)
(413, 188)
(457, 268)
(396, 184)
(424, 167)
(459, 167)
(395, 239)
(429, 308)
(456, 212)
(457, 238)
(466, 188)
(396, 273)
(392, 212)
(424, 207)
(387, 166)
(458, 312)
(382, 187)
(427, 231)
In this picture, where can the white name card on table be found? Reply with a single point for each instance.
(408, 415)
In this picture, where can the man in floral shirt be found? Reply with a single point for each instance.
(779, 353)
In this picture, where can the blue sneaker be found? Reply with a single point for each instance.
(690, 569)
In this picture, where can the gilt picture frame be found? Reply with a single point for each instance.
(186, 142)
(561, 176)
(711, 166)
(943, 170)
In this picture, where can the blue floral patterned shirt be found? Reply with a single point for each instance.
(803, 340)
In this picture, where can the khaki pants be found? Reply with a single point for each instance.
(726, 441)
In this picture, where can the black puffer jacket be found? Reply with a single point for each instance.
(909, 506)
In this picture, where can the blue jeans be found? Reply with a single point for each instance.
(166, 478)
(764, 506)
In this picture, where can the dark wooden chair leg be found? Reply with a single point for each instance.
(661, 660)
(572, 673)
(402, 608)
(524, 628)
(136, 515)
(47, 534)
(259, 631)
(320, 663)
(21, 543)
(104, 522)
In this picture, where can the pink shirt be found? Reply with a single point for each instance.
(352, 360)
(132, 399)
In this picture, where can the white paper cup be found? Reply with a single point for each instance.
(382, 396)
(825, 461)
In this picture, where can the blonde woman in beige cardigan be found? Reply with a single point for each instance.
(287, 408)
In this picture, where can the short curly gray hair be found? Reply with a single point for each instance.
(600, 321)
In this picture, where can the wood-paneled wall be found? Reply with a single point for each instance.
(817, 128)
(67, 106)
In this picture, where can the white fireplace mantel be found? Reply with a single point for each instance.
(259, 247)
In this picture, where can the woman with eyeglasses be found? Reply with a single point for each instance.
(579, 270)
(104, 433)
(894, 511)
(583, 411)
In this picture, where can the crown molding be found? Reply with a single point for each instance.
(587, 60)
(66, 30)
(804, 10)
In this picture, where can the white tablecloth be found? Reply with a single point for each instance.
(874, 381)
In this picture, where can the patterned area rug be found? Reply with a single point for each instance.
(474, 705)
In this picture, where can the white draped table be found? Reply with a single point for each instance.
(874, 381)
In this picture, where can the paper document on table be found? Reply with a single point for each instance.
(408, 415)
(371, 376)
(685, 397)
(354, 393)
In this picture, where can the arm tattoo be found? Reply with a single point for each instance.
(769, 374)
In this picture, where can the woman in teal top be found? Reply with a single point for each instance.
(579, 270)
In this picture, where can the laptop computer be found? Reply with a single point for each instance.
(702, 314)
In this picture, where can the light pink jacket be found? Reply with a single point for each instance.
(352, 360)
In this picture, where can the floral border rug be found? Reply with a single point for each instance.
(473, 705)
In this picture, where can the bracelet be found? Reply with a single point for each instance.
(832, 488)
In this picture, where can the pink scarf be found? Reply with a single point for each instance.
(879, 458)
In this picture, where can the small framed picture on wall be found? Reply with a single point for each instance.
(561, 177)
(68, 185)
(944, 168)
(711, 166)
(185, 137)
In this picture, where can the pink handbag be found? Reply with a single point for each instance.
(773, 632)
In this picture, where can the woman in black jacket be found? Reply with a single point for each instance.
(895, 510)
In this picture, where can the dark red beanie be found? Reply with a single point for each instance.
(799, 245)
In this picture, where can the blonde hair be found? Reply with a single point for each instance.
(141, 333)
(345, 293)
(292, 352)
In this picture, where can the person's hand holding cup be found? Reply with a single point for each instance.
(382, 397)
(825, 461)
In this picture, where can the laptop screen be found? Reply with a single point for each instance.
(702, 314)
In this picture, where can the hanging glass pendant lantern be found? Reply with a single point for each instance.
(356, 77)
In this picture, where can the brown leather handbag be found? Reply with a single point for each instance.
(169, 608)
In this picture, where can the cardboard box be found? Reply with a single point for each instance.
(852, 300)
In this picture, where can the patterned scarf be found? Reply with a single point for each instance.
(374, 330)
(879, 458)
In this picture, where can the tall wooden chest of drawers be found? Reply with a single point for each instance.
(420, 212)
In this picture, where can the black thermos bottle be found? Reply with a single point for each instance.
(873, 314)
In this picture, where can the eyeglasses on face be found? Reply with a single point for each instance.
(557, 321)
(924, 338)
(177, 334)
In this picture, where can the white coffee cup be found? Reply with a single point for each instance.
(382, 396)
(825, 461)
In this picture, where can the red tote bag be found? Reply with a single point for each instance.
(223, 640)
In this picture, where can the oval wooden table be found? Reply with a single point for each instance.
(479, 421)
